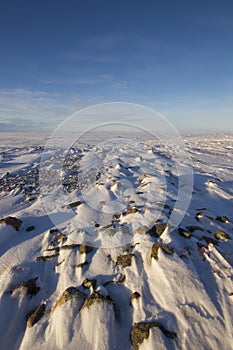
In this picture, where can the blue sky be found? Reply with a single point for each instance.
(59, 56)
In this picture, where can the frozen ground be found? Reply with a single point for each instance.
(96, 262)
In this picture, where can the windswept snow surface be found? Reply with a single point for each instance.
(133, 271)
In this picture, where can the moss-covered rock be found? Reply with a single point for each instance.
(141, 331)
(35, 315)
(124, 260)
(69, 294)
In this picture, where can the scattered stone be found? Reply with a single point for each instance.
(69, 294)
(89, 283)
(34, 316)
(142, 230)
(184, 233)
(73, 205)
(82, 264)
(30, 228)
(30, 284)
(53, 230)
(222, 235)
(85, 249)
(166, 249)
(222, 219)
(140, 331)
(155, 251)
(48, 257)
(135, 295)
(195, 228)
(60, 237)
(12, 221)
(124, 260)
(131, 210)
(210, 240)
(157, 230)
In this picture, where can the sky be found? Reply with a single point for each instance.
(57, 57)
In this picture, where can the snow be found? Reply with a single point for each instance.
(108, 195)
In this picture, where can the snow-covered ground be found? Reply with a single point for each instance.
(97, 261)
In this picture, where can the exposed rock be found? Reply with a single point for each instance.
(73, 205)
(12, 221)
(222, 235)
(69, 294)
(222, 219)
(34, 316)
(82, 264)
(140, 331)
(131, 210)
(30, 284)
(210, 240)
(142, 230)
(124, 260)
(157, 230)
(194, 228)
(155, 251)
(47, 257)
(96, 297)
(184, 233)
(53, 230)
(135, 295)
(85, 249)
(30, 228)
(60, 237)
(166, 249)
(89, 283)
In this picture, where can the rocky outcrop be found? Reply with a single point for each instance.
(34, 316)
(157, 230)
(141, 331)
(69, 294)
(30, 284)
(124, 260)
(12, 221)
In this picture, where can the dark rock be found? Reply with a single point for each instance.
(85, 249)
(166, 249)
(69, 294)
(12, 221)
(140, 331)
(222, 235)
(184, 233)
(135, 295)
(157, 230)
(74, 204)
(124, 260)
(89, 283)
(82, 264)
(48, 257)
(195, 228)
(30, 284)
(210, 240)
(155, 251)
(34, 316)
(96, 297)
(222, 219)
(30, 228)
(53, 230)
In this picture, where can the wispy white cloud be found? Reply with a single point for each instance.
(40, 108)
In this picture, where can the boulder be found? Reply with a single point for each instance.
(12, 221)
